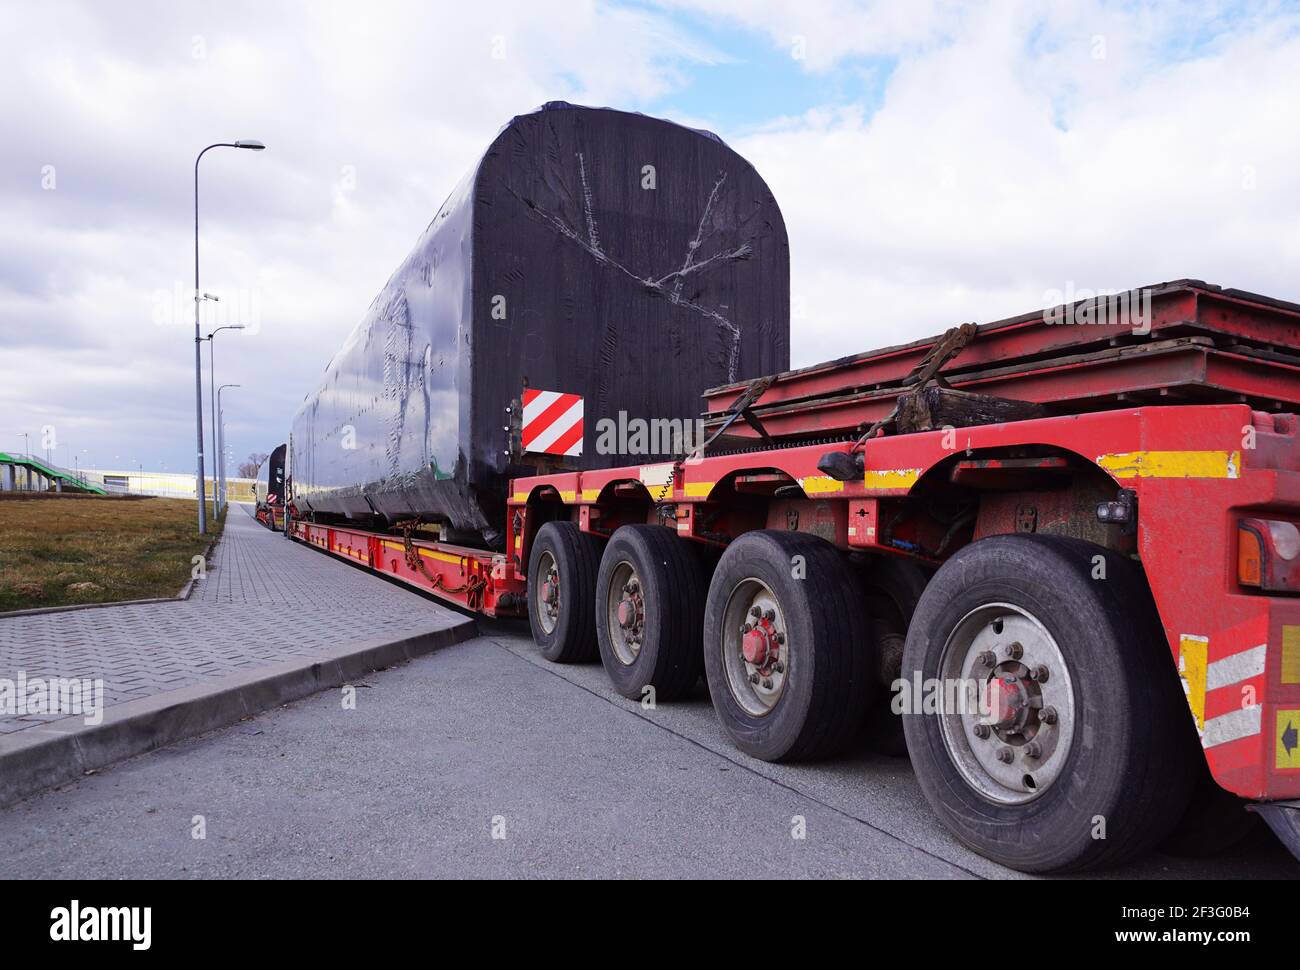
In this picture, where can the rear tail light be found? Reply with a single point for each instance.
(1268, 555)
(1249, 554)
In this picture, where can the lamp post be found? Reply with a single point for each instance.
(212, 383)
(219, 420)
(198, 346)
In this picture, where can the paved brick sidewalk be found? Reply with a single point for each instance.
(265, 600)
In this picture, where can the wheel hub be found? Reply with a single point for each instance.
(761, 644)
(756, 647)
(548, 592)
(1009, 702)
(755, 652)
(1013, 743)
(626, 613)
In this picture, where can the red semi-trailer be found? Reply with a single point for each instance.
(1054, 559)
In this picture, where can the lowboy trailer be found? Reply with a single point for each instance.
(1054, 559)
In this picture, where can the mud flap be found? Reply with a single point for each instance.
(1284, 819)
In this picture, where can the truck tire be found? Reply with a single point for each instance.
(893, 588)
(650, 612)
(797, 690)
(562, 570)
(1088, 760)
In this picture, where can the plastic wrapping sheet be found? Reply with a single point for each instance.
(622, 258)
(268, 480)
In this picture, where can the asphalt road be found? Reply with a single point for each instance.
(486, 738)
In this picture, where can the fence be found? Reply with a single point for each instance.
(165, 484)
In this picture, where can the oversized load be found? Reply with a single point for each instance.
(590, 254)
(268, 486)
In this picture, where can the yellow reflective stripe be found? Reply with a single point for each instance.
(821, 485)
(590, 494)
(883, 478)
(1172, 464)
(1290, 654)
(442, 556)
(699, 489)
(565, 496)
(1193, 657)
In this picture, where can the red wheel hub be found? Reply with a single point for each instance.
(757, 647)
(1007, 701)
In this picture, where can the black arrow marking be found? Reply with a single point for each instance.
(1289, 738)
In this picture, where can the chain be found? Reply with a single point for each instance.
(472, 587)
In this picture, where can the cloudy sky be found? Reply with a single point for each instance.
(936, 162)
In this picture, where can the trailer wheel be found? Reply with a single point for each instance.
(1083, 754)
(787, 646)
(561, 586)
(650, 612)
(893, 588)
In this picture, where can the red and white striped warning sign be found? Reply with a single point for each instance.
(552, 422)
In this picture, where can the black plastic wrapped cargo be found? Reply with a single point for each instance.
(619, 258)
(275, 475)
(268, 485)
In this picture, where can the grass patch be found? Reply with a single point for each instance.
(65, 550)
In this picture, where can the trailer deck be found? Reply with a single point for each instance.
(1179, 342)
(1166, 438)
(471, 578)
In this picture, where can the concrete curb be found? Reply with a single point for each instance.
(62, 751)
(72, 608)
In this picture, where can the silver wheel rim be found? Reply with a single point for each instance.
(755, 683)
(625, 613)
(547, 600)
(1005, 703)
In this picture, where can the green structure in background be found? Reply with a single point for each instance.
(58, 479)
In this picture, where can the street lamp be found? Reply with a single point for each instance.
(219, 419)
(256, 146)
(212, 383)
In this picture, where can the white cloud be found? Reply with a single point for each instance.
(1002, 158)
(371, 114)
(996, 169)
